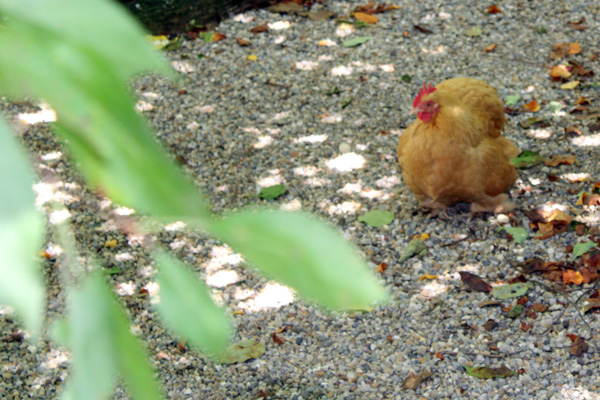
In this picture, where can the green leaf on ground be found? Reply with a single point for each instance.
(518, 234)
(474, 31)
(242, 351)
(507, 291)
(21, 234)
(356, 41)
(185, 304)
(377, 218)
(272, 192)
(555, 106)
(515, 311)
(300, 250)
(415, 248)
(581, 248)
(512, 99)
(406, 78)
(541, 29)
(527, 159)
(488, 372)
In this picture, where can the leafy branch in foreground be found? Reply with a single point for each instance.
(78, 58)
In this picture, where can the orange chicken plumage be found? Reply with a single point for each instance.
(455, 152)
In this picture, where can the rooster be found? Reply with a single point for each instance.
(455, 152)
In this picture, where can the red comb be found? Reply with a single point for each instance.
(424, 91)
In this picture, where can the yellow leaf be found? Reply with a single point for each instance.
(532, 106)
(489, 48)
(569, 85)
(158, 42)
(369, 19)
(559, 72)
(428, 277)
(579, 201)
(423, 236)
(252, 57)
(574, 48)
(110, 243)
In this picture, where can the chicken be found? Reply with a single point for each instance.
(455, 152)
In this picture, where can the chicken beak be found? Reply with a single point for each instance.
(414, 111)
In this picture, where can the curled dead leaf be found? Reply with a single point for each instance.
(218, 36)
(367, 18)
(242, 42)
(413, 380)
(489, 48)
(582, 100)
(559, 159)
(493, 9)
(532, 106)
(260, 28)
(571, 276)
(559, 73)
(573, 130)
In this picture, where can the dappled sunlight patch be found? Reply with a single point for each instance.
(175, 226)
(342, 70)
(344, 29)
(222, 278)
(151, 95)
(55, 358)
(311, 139)
(432, 289)
(317, 182)
(124, 211)
(576, 177)
(52, 156)
(178, 243)
(192, 126)
(347, 207)
(472, 268)
(243, 18)
(279, 25)
(125, 288)
(346, 162)
(388, 182)
(441, 49)
(279, 39)
(46, 114)
(274, 178)
(185, 67)
(153, 289)
(125, 256)
(539, 133)
(273, 295)
(331, 118)
(48, 192)
(591, 219)
(586, 141)
(306, 65)
(293, 205)
(252, 130)
(221, 256)
(325, 57)
(146, 271)
(142, 106)
(263, 141)
(206, 109)
(306, 170)
(577, 392)
(387, 67)
(59, 216)
(364, 67)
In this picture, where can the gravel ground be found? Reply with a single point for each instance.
(243, 124)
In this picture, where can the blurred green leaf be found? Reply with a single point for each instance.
(272, 192)
(541, 29)
(555, 106)
(87, 88)
(512, 99)
(21, 234)
(303, 252)
(474, 31)
(518, 234)
(186, 306)
(488, 372)
(377, 218)
(527, 159)
(242, 351)
(102, 346)
(406, 78)
(508, 291)
(416, 247)
(581, 248)
(356, 41)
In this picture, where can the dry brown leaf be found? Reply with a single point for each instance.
(421, 28)
(579, 70)
(559, 72)
(569, 130)
(493, 9)
(428, 277)
(532, 106)
(368, 18)
(218, 36)
(559, 159)
(260, 28)
(561, 50)
(242, 42)
(558, 215)
(571, 276)
(578, 24)
(574, 48)
(413, 380)
(474, 282)
(381, 268)
(489, 48)
(539, 307)
(525, 326)
(277, 339)
(489, 303)
(582, 100)
(579, 346)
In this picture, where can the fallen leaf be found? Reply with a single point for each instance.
(569, 85)
(272, 192)
(413, 380)
(539, 307)
(493, 9)
(559, 159)
(558, 215)
(490, 47)
(559, 73)
(320, 15)
(561, 50)
(552, 178)
(370, 8)
(422, 29)
(569, 130)
(356, 41)
(518, 234)
(512, 99)
(285, 8)
(490, 325)
(381, 268)
(525, 326)
(532, 106)
(535, 121)
(582, 100)
(578, 24)
(260, 28)
(488, 372)
(474, 31)
(489, 303)
(242, 351)
(571, 276)
(508, 291)
(440, 356)
(428, 277)
(578, 70)
(368, 18)
(110, 243)
(581, 248)
(252, 57)
(527, 159)
(277, 339)
(579, 346)
(515, 311)
(377, 218)
(242, 42)
(474, 282)
(416, 247)
(591, 304)
(218, 36)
